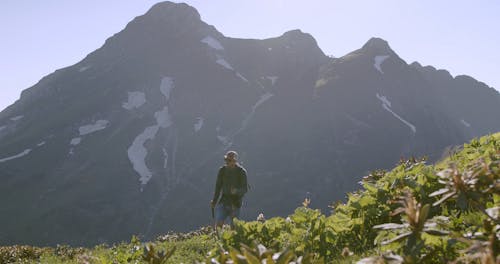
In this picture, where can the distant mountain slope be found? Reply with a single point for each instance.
(415, 212)
(128, 140)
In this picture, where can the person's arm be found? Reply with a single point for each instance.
(218, 187)
(243, 188)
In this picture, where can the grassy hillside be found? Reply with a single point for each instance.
(415, 213)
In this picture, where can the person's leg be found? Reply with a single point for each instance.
(235, 213)
(220, 215)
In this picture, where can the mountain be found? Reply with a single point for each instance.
(129, 140)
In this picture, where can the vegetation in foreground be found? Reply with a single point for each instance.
(416, 213)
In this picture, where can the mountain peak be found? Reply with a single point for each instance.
(168, 10)
(378, 45)
(297, 34)
(302, 41)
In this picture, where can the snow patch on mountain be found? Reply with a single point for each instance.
(24, 153)
(224, 64)
(75, 141)
(198, 124)
(378, 60)
(465, 123)
(261, 100)
(16, 118)
(166, 86)
(386, 104)
(138, 152)
(241, 77)
(411, 126)
(273, 79)
(165, 161)
(212, 42)
(87, 129)
(91, 128)
(163, 118)
(384, 100)
(227, 141)
(135, 100)
(84, 68)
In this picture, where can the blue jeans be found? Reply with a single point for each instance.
(224, 211)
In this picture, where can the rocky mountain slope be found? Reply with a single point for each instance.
(129, 140)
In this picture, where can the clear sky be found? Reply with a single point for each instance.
(461, 36)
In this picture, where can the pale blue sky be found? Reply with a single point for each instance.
(461, 36)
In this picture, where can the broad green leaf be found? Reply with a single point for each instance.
(251, 258)
(390, 226)
(397, 238)
(436, 232)
(285, 257)
(367, 200)
(439, 192)
(424, 212)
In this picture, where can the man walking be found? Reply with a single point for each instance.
(232, 182)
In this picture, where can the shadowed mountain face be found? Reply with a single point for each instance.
(129, 140)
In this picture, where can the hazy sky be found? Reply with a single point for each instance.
(461, 36)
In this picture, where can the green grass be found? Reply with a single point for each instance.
(187, 250)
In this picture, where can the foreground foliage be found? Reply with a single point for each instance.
(416, 213)
(171, 248)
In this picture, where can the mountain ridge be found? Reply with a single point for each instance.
(164, 11)
(127, 140)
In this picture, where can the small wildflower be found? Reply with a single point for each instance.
(306, 202)
(261, 218)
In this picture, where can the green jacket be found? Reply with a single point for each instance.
(227, 179)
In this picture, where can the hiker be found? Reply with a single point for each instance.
(232, 181)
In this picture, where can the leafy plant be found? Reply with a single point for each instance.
(472, 188)
(259, 254)
(483, 247)
(16, 253)
(415, 223)
(153, 256)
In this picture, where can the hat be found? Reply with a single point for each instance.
(231, 155)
